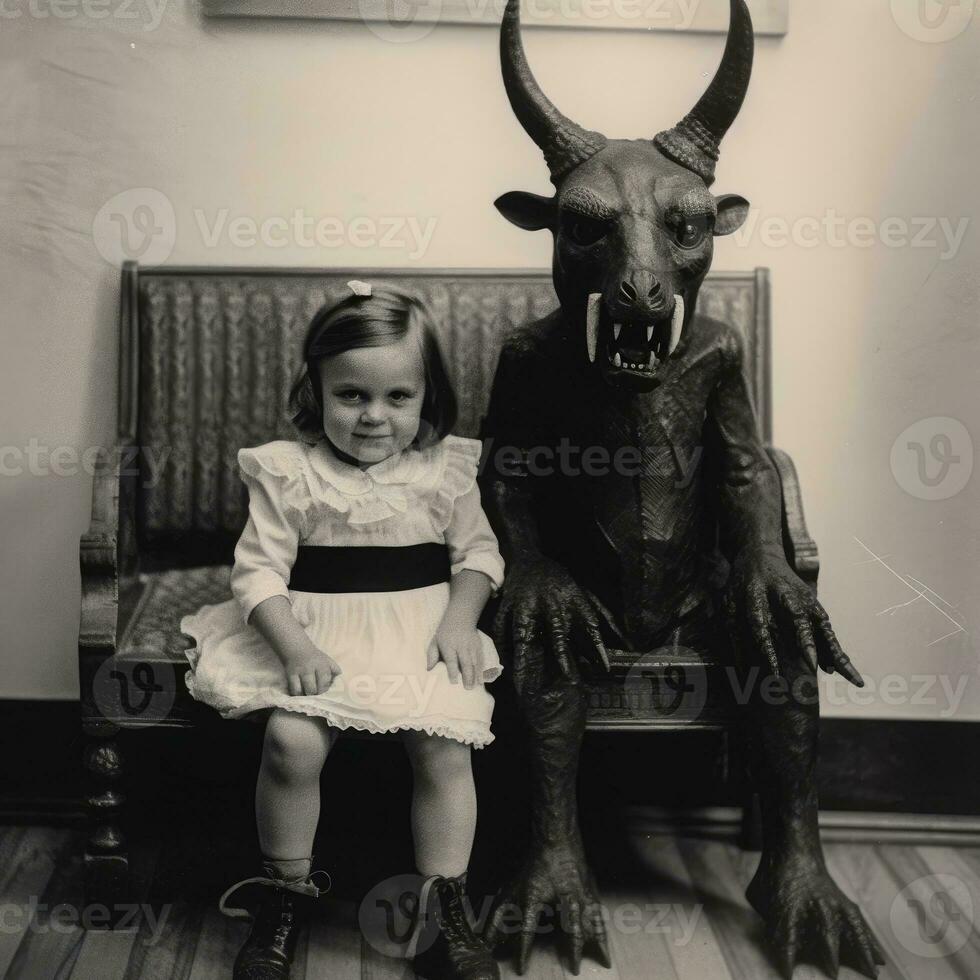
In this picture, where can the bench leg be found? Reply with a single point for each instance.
(106, 857)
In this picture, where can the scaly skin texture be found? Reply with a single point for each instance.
(625, 558)
(805, 912)
(623, 548)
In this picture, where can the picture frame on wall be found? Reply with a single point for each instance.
(770, 17)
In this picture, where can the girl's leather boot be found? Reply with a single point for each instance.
(444, 945)
(267, 953)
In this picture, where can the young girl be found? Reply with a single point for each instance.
(358, 580)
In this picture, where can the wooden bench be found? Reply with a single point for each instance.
(206, 356)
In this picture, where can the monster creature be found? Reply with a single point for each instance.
(624, 552)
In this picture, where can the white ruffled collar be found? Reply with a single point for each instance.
(380, 490)
(408, 466)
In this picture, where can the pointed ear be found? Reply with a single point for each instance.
(532, 212)
(732, 212)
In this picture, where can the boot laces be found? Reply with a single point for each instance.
(455, 922)
(301, 885)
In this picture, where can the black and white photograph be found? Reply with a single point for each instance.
(487, 490)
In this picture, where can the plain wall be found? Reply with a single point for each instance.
(847, 112)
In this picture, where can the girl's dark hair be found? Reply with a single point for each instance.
(386, 316)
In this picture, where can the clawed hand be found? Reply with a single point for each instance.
(807, 914)
(555, 882)
(545, 611)
(767, 594)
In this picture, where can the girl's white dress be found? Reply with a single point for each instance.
(301, 494)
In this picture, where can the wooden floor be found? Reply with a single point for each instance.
(685, 918)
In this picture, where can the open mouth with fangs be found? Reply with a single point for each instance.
(632, 350)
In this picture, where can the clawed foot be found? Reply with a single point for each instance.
(554, 881)
(806, 914)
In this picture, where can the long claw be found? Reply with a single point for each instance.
(575, 933)
(598, 927)
(862, 944)
(589, 610)
(787, 963)
(864, 963)
(760, 621)
(528, 929)
(834, 658)
(831, 952)
(595, 639)
(787, 947)
(603, 655)
(844, 667)
(804, 632)
(602, 945)
(807, 644)
(609, 620)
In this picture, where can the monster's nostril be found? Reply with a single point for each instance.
(654, 290)
(627, 292)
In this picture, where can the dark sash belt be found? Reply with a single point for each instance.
(328, 568)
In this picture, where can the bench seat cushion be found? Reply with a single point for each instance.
(670, 689)
(153, 632)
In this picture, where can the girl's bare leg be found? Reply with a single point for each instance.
(443, 804)
(287, 797)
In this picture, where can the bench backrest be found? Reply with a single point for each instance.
(208, 356)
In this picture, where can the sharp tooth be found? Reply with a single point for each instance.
(649, 333)
(677, 323)
(616, 328)
(592, 323)
(617, 360)
(651, 361)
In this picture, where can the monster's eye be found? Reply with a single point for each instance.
(690, 232)
(583, 230)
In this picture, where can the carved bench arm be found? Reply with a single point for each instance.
(107, 550)
(801, 549)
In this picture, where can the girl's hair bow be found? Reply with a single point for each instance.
(359, 288)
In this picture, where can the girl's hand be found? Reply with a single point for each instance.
(309, 671)
(458, 646)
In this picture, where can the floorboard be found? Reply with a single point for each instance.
(675, 910)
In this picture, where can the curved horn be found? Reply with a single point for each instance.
(693, 142)
(565, 144)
